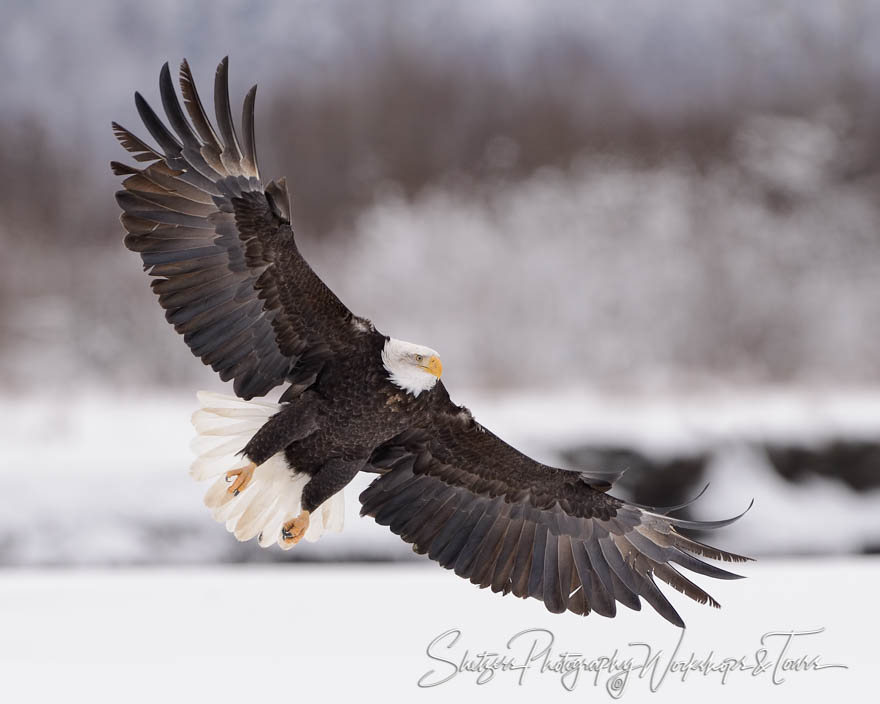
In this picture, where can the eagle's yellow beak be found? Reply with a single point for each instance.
(433, 366)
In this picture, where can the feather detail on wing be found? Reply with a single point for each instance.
(220, 248)
(496, 517)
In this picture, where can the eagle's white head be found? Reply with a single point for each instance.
(414, 368)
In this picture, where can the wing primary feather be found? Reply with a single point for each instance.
(695, 546)
(120, 169)
(231, 155)
(185, 281)
(220, 330)
(459, 537)
(177, 204)
(141, 150)
(399, 501)
(696, 565)
(486, 559)
(597, 599)
(167, 141)
(247, 128)
(211, 149)
(625, 595)
(610, 550)
(195, 108)
(522, 565)
(376, 502)
(425, 536)
(413, 512)
(507, 556)
(448, 532)
(707, 525)
(464, 563)
(601, 586)
(575, 599)
(597, 560)
(678, 581)
(173, 110)
(663, 510)
(552, 581)
(419, 529)
(646, 546)
(652, 594)
(536, 574)
(164, 179)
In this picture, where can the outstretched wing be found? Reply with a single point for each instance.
(498, 518)
(227, 270)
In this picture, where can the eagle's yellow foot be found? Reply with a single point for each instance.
(293, 531)
(242, 477)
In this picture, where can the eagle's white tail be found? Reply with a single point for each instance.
(224, 424)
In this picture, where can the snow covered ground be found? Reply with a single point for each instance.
(285, 633)
(100, 482)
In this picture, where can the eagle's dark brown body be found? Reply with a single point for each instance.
(331, 429)
(228, 273)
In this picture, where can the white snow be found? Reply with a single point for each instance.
(288, 633)
(103, 480)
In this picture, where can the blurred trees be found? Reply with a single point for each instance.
(766, 180)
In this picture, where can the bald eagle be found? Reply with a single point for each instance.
(224, 263)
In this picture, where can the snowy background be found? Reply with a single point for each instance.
(642, 235)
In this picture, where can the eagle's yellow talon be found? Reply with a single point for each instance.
(242, 478)
(293, 531)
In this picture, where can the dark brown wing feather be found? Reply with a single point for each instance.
(221, 250)
(496, 517)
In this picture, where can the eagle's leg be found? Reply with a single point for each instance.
(334, 475)
(240, 478)
(295, 421)
(293, 531)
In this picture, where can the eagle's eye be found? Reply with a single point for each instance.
(419, 358)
